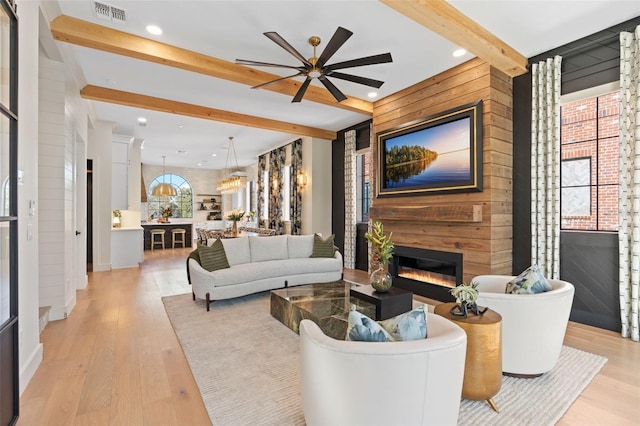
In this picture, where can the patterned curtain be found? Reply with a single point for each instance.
(262, 167)
(276, 171)
(629, 198)
(545, 166)
(350, 199)
(295, 202)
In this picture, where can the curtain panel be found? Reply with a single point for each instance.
(350, 205)
(262, 167)
(545, 166)
(629, 192)
(295, 202)
(277, 159)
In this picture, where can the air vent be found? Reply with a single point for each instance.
(110, 13)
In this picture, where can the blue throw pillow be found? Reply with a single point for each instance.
(411, 325)
(531, 281)
(361, 328)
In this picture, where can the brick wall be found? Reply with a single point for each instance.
(589, 129)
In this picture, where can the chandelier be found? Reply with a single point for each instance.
(163, 189)
(235, 180)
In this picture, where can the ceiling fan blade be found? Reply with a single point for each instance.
(333, 89)
(337, 40)
(260, 86)
(265, 64)
(275, 37)
(357, 79)
(367, 60)
(301, 90)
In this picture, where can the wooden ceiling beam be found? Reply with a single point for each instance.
(82, 33)
(447, 21)
(119, 97)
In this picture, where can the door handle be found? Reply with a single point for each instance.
(78, 232)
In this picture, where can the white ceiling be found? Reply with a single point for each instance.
(233, 29)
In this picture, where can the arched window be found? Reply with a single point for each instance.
(181, 205)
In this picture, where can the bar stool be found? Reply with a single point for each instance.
(174, 237)
(155, 232)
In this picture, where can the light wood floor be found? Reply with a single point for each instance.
(116, 360)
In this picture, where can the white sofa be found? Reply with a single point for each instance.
(533, 325)
(416, 382)
(263, 263)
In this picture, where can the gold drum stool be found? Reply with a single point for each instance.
(175, 233)
(483, 365)
(154, 241)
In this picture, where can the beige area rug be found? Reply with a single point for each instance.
(245, 363)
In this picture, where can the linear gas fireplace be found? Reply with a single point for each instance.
(429, 273)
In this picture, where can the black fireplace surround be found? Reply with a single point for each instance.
(445, 264)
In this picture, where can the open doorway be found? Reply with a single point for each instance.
(89, 215)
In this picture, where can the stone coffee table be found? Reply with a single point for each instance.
(326, 304)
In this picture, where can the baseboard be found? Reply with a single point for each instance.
(30, 367)
(83, 283)
(71, 303)
(57, 313)
(101, 267)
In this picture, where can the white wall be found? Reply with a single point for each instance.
(316, 196)
(135, 174)
(52, 182)
(28, 270)
(202, 181)
(99, 150)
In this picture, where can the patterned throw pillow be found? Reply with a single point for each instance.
(411, 325)
(361, 328)
(323, 247)
(213, 258)
(531, 281)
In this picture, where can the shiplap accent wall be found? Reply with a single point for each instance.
(55, 193)
(485, 245)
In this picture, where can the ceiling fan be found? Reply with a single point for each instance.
(316, 67)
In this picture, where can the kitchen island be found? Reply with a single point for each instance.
(148, 227)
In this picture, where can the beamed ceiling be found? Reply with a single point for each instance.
(187, 85)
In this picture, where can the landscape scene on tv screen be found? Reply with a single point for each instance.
(435, 156)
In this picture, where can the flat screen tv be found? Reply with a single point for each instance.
(434, 155)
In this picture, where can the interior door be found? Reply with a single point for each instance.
(9, 367)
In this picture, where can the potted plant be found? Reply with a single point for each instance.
(235, 216)
(381, 253)
(466, 296)
(117, 214)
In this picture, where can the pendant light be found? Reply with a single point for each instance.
(163, 189)
(234, 181)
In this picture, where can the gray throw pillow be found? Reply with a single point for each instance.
(323, 247)
(214, 257)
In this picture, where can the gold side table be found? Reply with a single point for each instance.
(483, 365)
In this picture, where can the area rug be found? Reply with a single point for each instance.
(245, 363)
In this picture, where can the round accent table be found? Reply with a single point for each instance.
(483, 365)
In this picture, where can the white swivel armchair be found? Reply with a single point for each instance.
(533, 325)
(364, 383)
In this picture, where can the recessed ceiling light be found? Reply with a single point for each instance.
(372, 94)
(154, 29)
(180, 126)
(142, 120)
(213, 155)
(459, 52)
(199, 164)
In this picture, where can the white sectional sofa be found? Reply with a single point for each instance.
(263, 263)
